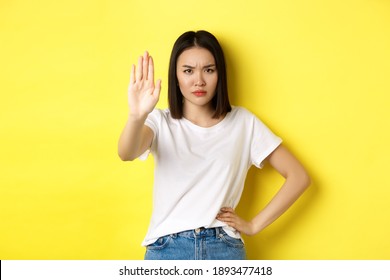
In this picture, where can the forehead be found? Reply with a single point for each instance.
(195, 56)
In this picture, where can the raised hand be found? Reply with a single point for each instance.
(143, 93)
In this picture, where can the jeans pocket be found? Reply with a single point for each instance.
(160, 243)
(231, 241)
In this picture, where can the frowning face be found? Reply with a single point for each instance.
(197, 76)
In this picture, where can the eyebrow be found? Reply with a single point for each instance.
(192, 67)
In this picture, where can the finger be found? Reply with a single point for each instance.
(227, 209)
(226, 215)
(139, 69)
(225, 219)
(145, 66)
(150, 69)
(230, 222)
(132, 74)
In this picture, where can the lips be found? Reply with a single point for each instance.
(199, 93)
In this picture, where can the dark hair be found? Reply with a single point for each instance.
(208, 41)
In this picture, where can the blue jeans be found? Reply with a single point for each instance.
(198, 244)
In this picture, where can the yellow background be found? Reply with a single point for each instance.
(317, 72)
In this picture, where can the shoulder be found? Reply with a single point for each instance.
(158, 114)
(158, 118)
(241, 112)
(241, 115)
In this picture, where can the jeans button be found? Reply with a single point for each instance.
(197, 230)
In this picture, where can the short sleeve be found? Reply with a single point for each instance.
(152, 121)
(264, 142)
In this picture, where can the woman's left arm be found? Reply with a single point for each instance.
(297, 181)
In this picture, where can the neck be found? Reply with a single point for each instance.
(200, 115)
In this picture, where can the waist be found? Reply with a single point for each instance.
(200, 232)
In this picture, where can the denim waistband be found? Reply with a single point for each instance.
(200, 232)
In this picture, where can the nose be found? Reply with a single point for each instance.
(200, 80)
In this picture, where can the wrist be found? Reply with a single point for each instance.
(137, 117)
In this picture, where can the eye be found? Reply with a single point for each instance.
(210, 70)
(188, 71)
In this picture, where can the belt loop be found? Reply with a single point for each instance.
(217, 232)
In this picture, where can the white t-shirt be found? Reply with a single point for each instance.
(200, 170)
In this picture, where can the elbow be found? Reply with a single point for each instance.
(305, 179)
(301, 179)
(125, 157)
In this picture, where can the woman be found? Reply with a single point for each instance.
(203, 148)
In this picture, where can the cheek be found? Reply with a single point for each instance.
(213, 81)
(183, 83)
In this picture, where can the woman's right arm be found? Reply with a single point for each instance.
(143, 96)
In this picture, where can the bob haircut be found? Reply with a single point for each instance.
(202, 39)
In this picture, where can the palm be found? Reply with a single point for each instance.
(143, 94)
